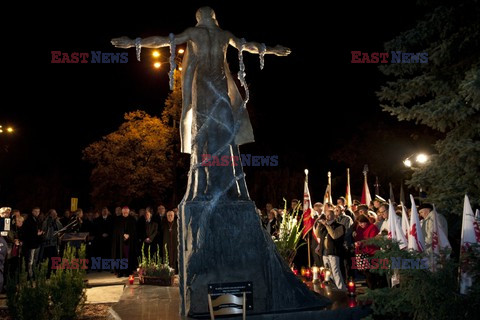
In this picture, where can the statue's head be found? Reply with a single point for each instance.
(206, 15)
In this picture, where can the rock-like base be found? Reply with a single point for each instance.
(224, 242)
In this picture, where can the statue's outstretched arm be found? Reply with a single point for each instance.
(151, 42)
(255, 47)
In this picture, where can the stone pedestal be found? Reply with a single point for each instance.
(224, 242)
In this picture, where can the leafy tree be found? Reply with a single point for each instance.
(443, 94)
(131, 163)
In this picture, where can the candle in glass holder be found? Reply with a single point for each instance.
(322, 274)
(315, 273)
(351, 288)
(294, 270)
(302, 271)
(327, 275)
(131, 279)
(308, 274)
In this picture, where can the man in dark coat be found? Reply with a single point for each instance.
(104, 234)
(32, 239)
(148, 230)
(170, 239)
(3, 257)
(124, 241)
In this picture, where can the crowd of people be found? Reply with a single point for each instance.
(37, 236)
(336, 239)
(339, 233)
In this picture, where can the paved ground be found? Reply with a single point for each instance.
(156, 303)
(104, 287)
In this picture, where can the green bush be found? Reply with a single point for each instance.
(59, 298)
(67, 288)
(28, 298)
(422, 294)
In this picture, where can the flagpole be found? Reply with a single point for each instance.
(349, 194)
(308, 244)
(308, 236)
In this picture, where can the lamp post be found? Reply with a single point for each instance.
(414, 161)
(6, 130)
(419, 158)
(157, 63)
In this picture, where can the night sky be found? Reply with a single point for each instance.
(303, 107)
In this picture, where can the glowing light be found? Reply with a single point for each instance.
(407, 163)
(156, 54)
(157, 65)
(180, 51)
(421, 158)
(306, 171)
(10, 129)
(180, 68)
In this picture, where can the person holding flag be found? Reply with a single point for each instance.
(432, 222)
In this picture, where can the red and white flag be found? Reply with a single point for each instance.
(470, 235)
(405, 223)
(366, 197)
(416, 240)
(439, 240)
(308, 221)
(348, 195)
(394, 228)
(327, 198)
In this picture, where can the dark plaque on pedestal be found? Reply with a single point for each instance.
(235, 288)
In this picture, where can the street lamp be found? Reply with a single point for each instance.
(420, 158)
(157, 64)
(6, 130)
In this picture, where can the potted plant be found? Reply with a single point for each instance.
(152, 270)
(288, 239)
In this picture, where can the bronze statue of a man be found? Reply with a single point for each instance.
(214, 116)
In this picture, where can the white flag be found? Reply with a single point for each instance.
(470, 234)
(394, 228)
(405, 223)
(416, 241)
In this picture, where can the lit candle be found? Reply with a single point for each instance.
(308, 274)
(294, 270)
(351, 288)
(315, 273)
(327, 275)
(131, 279)
(302, 271)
